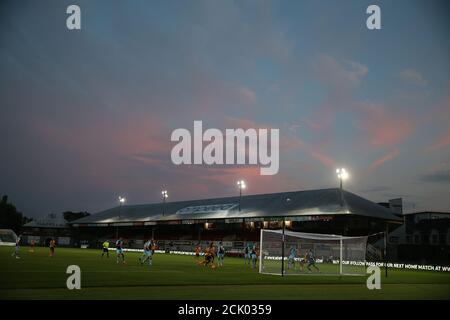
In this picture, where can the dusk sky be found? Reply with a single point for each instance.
(86, 115)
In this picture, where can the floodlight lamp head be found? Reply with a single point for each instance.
(342, 173)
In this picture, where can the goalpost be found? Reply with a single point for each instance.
(285, 252)
(7, 237)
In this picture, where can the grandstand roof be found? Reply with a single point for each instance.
(50, 221)
(284, 204)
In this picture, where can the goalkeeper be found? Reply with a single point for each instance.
(105, 246)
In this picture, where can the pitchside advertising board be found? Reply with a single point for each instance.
(63, 241)
(36, 239)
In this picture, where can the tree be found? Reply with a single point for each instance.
(72, 216)
(10, 218)
(25, 220)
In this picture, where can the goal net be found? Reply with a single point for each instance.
(7, 237)
(295, 253)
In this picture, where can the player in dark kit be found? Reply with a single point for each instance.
(254, 256)
(311, 261)
(209, 255)
(119, 250)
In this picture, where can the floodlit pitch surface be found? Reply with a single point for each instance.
(37, 276)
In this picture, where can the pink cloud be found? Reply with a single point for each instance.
(384, 128)
(248, 96)
(256, 182)
(440, 166)
(339, 75)
(442, 142)
(101, 146)
(291, 143)
(314, 124)
(387, 157)
(411, 76)
(442, 114)
(287, 141)
(243, 123)
(322, 158)
(126, 135)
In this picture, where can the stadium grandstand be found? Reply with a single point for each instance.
(42, 230)
(236, 220)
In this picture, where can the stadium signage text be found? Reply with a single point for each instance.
(254, 219)
(235, 220)
(221, 148)
(314, 218)
(216, 208)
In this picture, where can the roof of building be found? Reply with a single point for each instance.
(284, 204)
(426, 212)
(51, 221)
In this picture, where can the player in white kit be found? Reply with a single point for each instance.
(148, 253)
(17, 248)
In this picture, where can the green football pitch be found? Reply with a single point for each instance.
(37, 276)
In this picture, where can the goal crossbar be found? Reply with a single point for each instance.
(314, 236)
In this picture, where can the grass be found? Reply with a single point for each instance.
(37, 276)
